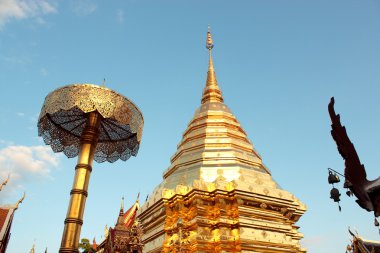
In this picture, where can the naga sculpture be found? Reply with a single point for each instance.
(367, 192)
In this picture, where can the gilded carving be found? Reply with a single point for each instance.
(263, 205)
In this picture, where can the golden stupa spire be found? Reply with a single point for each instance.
(211, 92)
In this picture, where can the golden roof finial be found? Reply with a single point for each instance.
(211, 92)
(5, 182)
(20, 201)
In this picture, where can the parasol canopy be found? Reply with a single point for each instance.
(64, 115)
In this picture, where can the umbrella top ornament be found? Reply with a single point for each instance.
(64, 115)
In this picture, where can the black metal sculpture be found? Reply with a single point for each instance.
(367, 192)
(334, 193)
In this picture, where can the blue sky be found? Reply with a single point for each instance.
(277, 63)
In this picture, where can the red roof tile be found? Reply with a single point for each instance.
(3, 217)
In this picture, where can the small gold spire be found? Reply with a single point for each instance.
(122, 205)
(32, 250)
(106, 231)
(211, 92)
(138, 198)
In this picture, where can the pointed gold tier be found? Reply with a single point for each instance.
(217, 195)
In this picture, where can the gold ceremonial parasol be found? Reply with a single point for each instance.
(95, 123)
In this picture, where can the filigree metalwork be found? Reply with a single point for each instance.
(63, 118)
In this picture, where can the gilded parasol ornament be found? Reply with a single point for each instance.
(93, 123)
(63, 118)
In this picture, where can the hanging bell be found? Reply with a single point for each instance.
(334, 194)
(333, 178)
(347, 184)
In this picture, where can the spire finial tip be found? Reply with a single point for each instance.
(211, 92)
(209, 43)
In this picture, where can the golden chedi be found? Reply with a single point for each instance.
(217, 195)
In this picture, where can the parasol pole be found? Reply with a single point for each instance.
(79, 192)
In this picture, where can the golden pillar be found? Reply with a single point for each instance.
(94, 123)
(74, 217)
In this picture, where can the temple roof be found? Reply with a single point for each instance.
(129, 217)
(360, 245)
(125, 225)
(6, 218)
